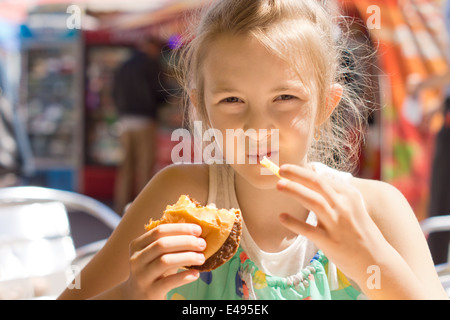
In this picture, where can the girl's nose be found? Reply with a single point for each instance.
(258, 121)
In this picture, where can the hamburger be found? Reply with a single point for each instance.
(221, 229)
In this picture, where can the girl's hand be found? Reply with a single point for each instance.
(156, 256)
(345, 231)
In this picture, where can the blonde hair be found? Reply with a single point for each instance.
(304, 34)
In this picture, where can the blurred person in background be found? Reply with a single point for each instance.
(440, 176)
(9, 155)
(16, 158)
(137, 94)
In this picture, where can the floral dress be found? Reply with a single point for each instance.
(240, 279)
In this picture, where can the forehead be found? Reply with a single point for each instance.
(243, 60)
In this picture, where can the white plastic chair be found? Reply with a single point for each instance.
(37, 253)
(439, 224)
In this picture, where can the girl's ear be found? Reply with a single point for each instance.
(331, 102)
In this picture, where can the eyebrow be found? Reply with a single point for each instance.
(298, 86)
(223, 90)
(287, 88)
(295, 86)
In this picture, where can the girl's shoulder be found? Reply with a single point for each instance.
(166, 187)
(378, 195)
(388, 208)
(177, 179)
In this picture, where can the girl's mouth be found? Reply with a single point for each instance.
(256, 158)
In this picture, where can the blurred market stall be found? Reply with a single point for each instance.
(63, 59)
(411, 41)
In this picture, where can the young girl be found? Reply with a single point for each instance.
(316, 233)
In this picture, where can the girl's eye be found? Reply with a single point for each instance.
(285, 97)
(231, 100)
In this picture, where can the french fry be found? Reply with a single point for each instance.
(271, 166)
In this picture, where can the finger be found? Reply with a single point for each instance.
(315, 234)
(165, 230)
(310, 199)
(176, 280)
(169, 244)
(167, 262)
(326, 187)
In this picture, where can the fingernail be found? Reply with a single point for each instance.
(193, 276)
(196, 229)
(283, 217)
(284, 168)
(282, 183)
(201, 243)
(201, 258)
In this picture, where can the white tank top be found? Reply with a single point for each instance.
(283, 263)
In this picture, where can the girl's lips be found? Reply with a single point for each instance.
(259, 157)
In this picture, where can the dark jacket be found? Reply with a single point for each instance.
(137, 86)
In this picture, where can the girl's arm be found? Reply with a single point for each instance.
(395, 218)
(106, 275)
(377, 236)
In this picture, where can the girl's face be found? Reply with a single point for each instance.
(249, 88)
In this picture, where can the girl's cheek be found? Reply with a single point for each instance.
(222, 121)
(301, 114)
(295, 126)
